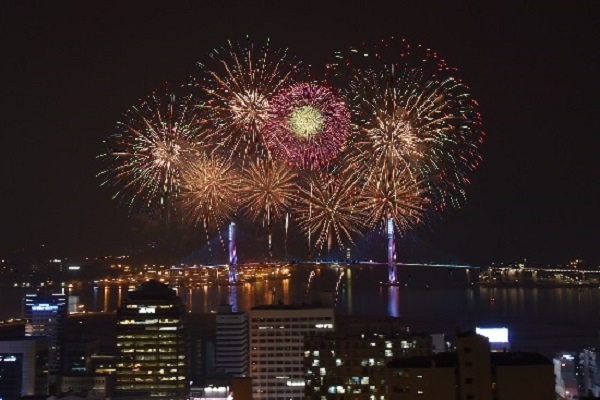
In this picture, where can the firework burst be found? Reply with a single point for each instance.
(153, 147)
(328, 208)
(239, 84)
(267, 189)
(307, 126)
(211, 187)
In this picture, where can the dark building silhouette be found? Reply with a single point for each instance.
(471, 373)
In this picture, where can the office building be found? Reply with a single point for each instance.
(277, 334)
(152, 341)
(231, 351)
(46, 315)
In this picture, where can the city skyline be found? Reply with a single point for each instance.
(73, 70)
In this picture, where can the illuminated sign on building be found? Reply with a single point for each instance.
(44, 307)
(147, 310)
(495, 335)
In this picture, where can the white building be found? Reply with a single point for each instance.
(231, 352)
(277, 347)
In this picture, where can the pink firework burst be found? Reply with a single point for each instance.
(307, 125)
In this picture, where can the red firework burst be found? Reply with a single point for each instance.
(306, 126)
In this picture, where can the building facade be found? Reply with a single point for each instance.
(354, 367)
(152, 345)
(231, 351)
(277, 335)
(473, 372)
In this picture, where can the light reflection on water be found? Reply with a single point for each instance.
(434, 300)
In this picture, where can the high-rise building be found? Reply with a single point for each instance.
(46, 315)
(232, 341)
(277, 334)
(152, 344)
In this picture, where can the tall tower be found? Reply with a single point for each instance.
(391, 250)
(232, 341)
(46, 315)
(152, 356)
(232, 254)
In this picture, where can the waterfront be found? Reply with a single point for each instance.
(436, 299)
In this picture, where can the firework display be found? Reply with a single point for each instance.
(152, 148)
(386, 140)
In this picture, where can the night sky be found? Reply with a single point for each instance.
(68, 70)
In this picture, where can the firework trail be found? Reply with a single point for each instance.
(267, 190)
(337, 288)
(151, 150)
(310, 279)
(238, 84)
(307, 126)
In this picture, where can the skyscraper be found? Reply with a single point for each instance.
(46, 315)
(152, 345)
(277, 335)
(232, 341)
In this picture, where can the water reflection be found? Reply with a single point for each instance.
(448, 302)
(233, 298)
(393, 301)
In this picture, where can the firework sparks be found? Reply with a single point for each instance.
(154, 145)
(307, 126)
(327, 207)
(239, 85)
